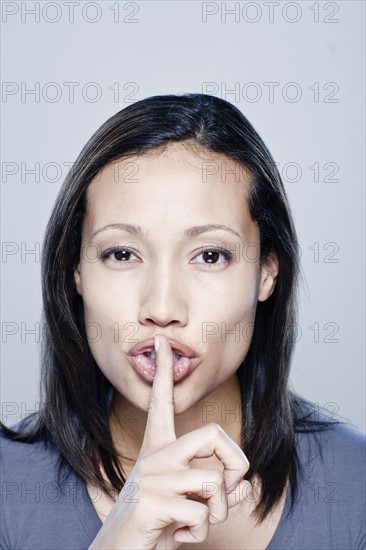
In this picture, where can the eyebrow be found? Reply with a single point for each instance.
(187, 233)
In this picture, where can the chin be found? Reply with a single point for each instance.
(181, 406)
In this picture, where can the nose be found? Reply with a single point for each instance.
(163, 298)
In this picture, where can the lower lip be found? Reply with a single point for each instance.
(145, 367)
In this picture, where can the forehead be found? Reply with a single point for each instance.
(177, 181)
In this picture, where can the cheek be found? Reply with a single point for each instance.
(232, 333)
(232, 304)
(101, 310)
(104, 298)
(243, 307)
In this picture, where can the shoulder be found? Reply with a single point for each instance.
(30, 459)
(336, 448)
(333, 487)
(39, 497)
(343, 442)
(30, 471)
(338, 443)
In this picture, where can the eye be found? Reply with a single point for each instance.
(117, 255)
(212, 255)
(122, 256)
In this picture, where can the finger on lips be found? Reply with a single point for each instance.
(160, 427)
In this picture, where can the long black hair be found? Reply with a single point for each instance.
(74, 405)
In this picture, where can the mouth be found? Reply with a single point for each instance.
(147, 346)
(144, 365)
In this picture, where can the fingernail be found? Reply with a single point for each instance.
(156, 343)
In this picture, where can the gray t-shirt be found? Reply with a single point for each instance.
(329, 512)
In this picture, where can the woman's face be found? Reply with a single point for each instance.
(170, 283)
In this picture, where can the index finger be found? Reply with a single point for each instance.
(160, 427)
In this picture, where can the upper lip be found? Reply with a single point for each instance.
(148, 345)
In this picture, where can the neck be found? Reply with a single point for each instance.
(128, 422)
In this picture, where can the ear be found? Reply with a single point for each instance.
(77, 279)
(269, 272)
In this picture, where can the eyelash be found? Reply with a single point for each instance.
(227, 255)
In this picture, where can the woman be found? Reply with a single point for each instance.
(174, 223)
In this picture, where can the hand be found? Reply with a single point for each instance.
(173, 503)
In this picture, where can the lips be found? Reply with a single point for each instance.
(148, 345)
(145, 366)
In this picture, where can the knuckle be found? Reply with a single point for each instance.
(214, 429)
(153, 402)
(246, 461)
(203, 513)
(219, 515)
(225, 514)
(199, 537)
(218, 477)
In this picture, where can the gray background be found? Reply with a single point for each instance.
(313, 125)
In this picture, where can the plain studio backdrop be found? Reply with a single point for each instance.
(295, 69)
